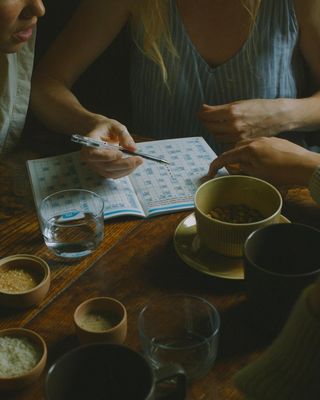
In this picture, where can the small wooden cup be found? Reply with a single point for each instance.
(20, 381)
(90, 313)
(39, 270)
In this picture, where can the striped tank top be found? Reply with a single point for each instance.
(265, 67)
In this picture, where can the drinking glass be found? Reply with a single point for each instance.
(180, 329)
(72, 222)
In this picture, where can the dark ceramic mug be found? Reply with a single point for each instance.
(112, 372)
(280, 260)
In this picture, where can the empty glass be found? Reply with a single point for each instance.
(72, 222)
(180, 329)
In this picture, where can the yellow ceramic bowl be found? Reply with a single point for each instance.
(225, 237)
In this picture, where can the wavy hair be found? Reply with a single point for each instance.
(151, 30)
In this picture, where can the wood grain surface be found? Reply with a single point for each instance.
(135, 262)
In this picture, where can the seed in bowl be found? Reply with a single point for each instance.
(236, 214)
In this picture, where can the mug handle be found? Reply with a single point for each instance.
(173, 371)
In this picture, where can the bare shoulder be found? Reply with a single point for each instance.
(113, 4)
(92, 28)
(308, 16)
(307, 11)
(107, 5)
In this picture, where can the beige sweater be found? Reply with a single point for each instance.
(290, 367)
(314, 185)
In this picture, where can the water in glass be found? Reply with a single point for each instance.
(192, 351)
(75, 237)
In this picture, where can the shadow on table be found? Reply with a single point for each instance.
(242, 332)
(173, 275)
(61, 347)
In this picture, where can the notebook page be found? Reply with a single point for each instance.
(163, 188)
(68, 171)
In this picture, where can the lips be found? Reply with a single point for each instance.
(24, 35)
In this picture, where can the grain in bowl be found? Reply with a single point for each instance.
(18, 356)
(23, 355)
(24, 280)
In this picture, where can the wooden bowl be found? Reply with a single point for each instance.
(101, 319)
(23, 379)
(37, 270)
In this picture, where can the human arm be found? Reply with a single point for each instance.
(276, 160)
(267, 117)
(90, 31)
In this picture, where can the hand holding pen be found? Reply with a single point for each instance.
(109, 162)
(87, 141)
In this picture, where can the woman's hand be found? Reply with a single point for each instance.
(276, 160)
(111, 163)
(245, 119)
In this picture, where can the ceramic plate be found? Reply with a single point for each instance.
(187, 245)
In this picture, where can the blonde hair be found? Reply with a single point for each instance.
(252, 7)
(151, 31)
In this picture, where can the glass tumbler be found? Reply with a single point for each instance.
(180, 329)
(72, 222)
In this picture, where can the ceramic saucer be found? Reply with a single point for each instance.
(187, 245)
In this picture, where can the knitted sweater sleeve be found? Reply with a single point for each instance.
(314, 185)
(289, 369)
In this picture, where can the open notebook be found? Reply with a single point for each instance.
(153, 188)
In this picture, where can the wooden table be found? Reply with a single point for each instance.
(135, 261)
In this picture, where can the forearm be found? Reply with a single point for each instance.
(56, 106)
(299, 114)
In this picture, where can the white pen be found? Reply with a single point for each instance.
(86, 141)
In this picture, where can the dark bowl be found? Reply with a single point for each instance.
(99, 371)
(280, 260)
